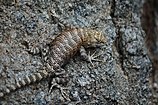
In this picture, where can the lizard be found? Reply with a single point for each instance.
(57, 53)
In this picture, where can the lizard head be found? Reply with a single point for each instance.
(94, 38)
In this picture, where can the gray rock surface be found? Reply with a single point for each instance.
(121, 79)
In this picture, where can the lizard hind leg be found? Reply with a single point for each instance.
(55, 84)
(31, 47)
(61, 78)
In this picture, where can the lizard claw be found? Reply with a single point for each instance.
(94, 57)
(55, 83)
(63, 93)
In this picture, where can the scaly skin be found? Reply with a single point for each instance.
(61, 49)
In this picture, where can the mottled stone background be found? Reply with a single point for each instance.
(121, 79)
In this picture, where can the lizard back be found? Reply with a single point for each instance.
(65, 46)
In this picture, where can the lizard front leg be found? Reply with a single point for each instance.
(89, 57)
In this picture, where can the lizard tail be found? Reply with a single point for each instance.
(26, 81)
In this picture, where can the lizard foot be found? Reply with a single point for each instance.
(55, 83)
(90, 57)
(63, 93)
(94, 57)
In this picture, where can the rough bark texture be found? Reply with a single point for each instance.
(121, 79)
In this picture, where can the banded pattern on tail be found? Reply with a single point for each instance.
(26, 81)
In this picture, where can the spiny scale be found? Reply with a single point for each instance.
(61, 49)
